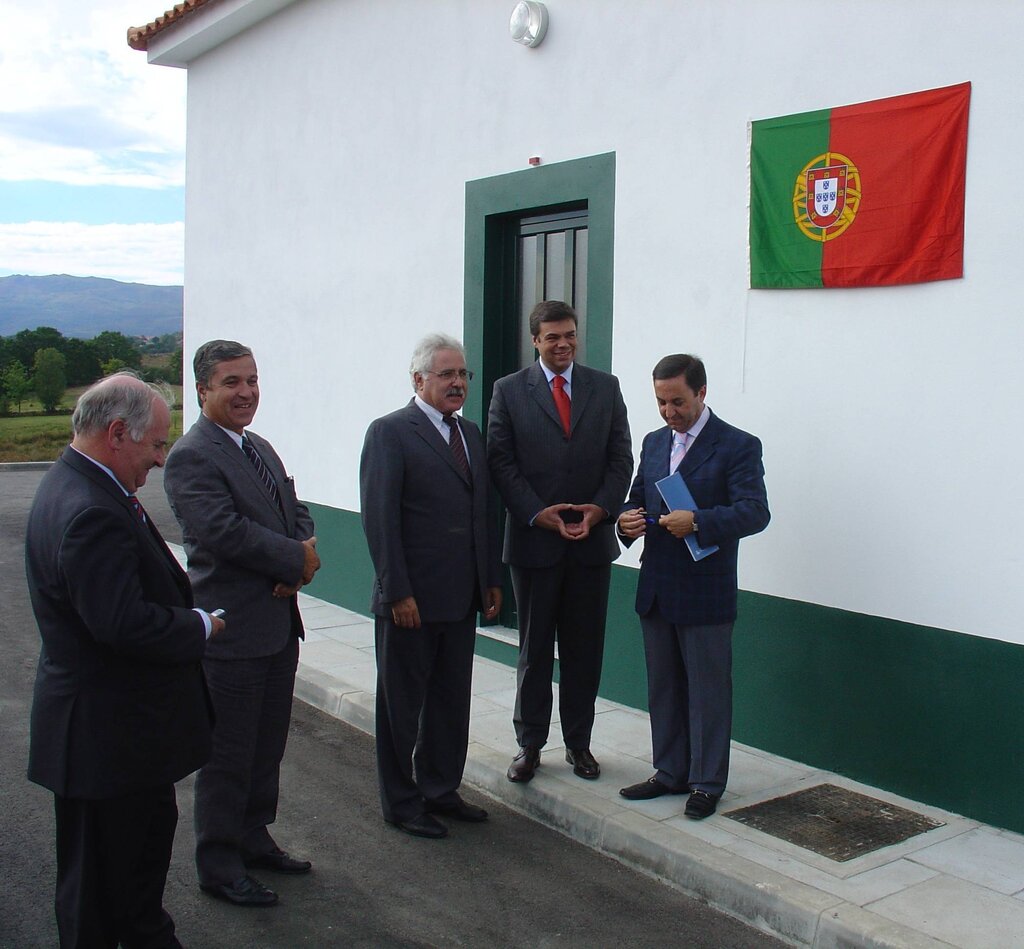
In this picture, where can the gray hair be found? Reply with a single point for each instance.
(215, 351)
(120, 396)
(427, 348)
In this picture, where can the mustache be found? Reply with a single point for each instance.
(455, 391)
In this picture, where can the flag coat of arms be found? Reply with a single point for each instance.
(863, 195)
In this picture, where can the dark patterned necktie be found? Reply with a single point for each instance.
(261, 469)
(562, 401)
(455, 444)
(137, 508)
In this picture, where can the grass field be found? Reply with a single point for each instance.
(43, 437)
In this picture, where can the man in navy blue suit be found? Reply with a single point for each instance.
(687, 607)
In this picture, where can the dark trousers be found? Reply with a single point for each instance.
(424, 689)
(689, 693)
(112, 860)
(567, 602)
(237, 790)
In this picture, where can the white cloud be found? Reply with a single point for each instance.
(77, 105)
(135, 253)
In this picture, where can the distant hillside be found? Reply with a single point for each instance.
(85, 306)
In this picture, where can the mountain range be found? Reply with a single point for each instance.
(84, 307)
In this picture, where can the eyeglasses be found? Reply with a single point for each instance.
(450, 375)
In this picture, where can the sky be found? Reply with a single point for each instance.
(92, 144)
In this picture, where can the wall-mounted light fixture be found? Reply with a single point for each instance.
(529, 22)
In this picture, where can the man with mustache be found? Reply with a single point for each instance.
(559, 450)
(250, 547)
(424, 492)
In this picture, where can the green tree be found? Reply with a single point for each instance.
(83, 366)
(112, 345)
(16, 383)
(24, 344)
(174, 372)
(112, 365)
(48, 378)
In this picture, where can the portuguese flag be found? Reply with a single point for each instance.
(860, 196)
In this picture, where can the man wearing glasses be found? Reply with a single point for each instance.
(424, 491)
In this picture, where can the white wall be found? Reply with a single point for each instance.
(329, 148)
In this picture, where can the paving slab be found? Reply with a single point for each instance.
(959, 885)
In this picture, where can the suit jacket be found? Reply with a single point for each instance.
(534, 464)
(240, 542)
(120, 702)
(427, 525)
(724, 473)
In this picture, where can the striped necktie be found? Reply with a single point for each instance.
(455, 444)
(261, 469)
(678, 450)
(137, 507)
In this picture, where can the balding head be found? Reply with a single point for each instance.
(122, 422)
(120, 396)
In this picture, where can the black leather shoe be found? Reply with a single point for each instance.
(701, 804)
(524, 764)
(278, 861)
(458, 810)
(423, 825)
(584, 764)
(245, 891)
(648, 790)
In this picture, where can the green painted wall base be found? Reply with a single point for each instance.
(930, 714)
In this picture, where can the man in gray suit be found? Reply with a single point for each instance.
(424, 492)
(559, 451)
(250, 547)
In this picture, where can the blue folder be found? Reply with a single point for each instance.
(677, 496)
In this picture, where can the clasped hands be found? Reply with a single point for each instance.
(633, 523)
(311, 564)
(550, 519)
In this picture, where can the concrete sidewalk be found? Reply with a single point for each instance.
(961, 884)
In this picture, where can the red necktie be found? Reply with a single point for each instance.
(137, 507)
(562, 402)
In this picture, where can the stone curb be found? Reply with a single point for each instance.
(762, 898)
(25, 465)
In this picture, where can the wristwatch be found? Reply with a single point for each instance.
(695, 528)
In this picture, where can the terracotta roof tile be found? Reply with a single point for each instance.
(139, 37)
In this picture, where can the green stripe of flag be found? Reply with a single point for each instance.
(780, 254)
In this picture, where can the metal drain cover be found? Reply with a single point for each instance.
(837, 823)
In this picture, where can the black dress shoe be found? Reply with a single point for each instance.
(648, 790)
(423, 825)
(458, 810)
(701, 804)
(245, 891)
(524, 764)
(278, 861)
(584, 764)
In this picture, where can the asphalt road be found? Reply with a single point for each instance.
(508, 882)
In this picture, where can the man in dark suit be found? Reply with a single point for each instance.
(423, 489)
(120, 710)
(250, 547)
(687, 607)
(559, 451)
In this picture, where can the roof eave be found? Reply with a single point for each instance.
(205, 28)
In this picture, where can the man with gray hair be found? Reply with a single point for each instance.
(250, 546)
(120, 710)
(424, 496)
